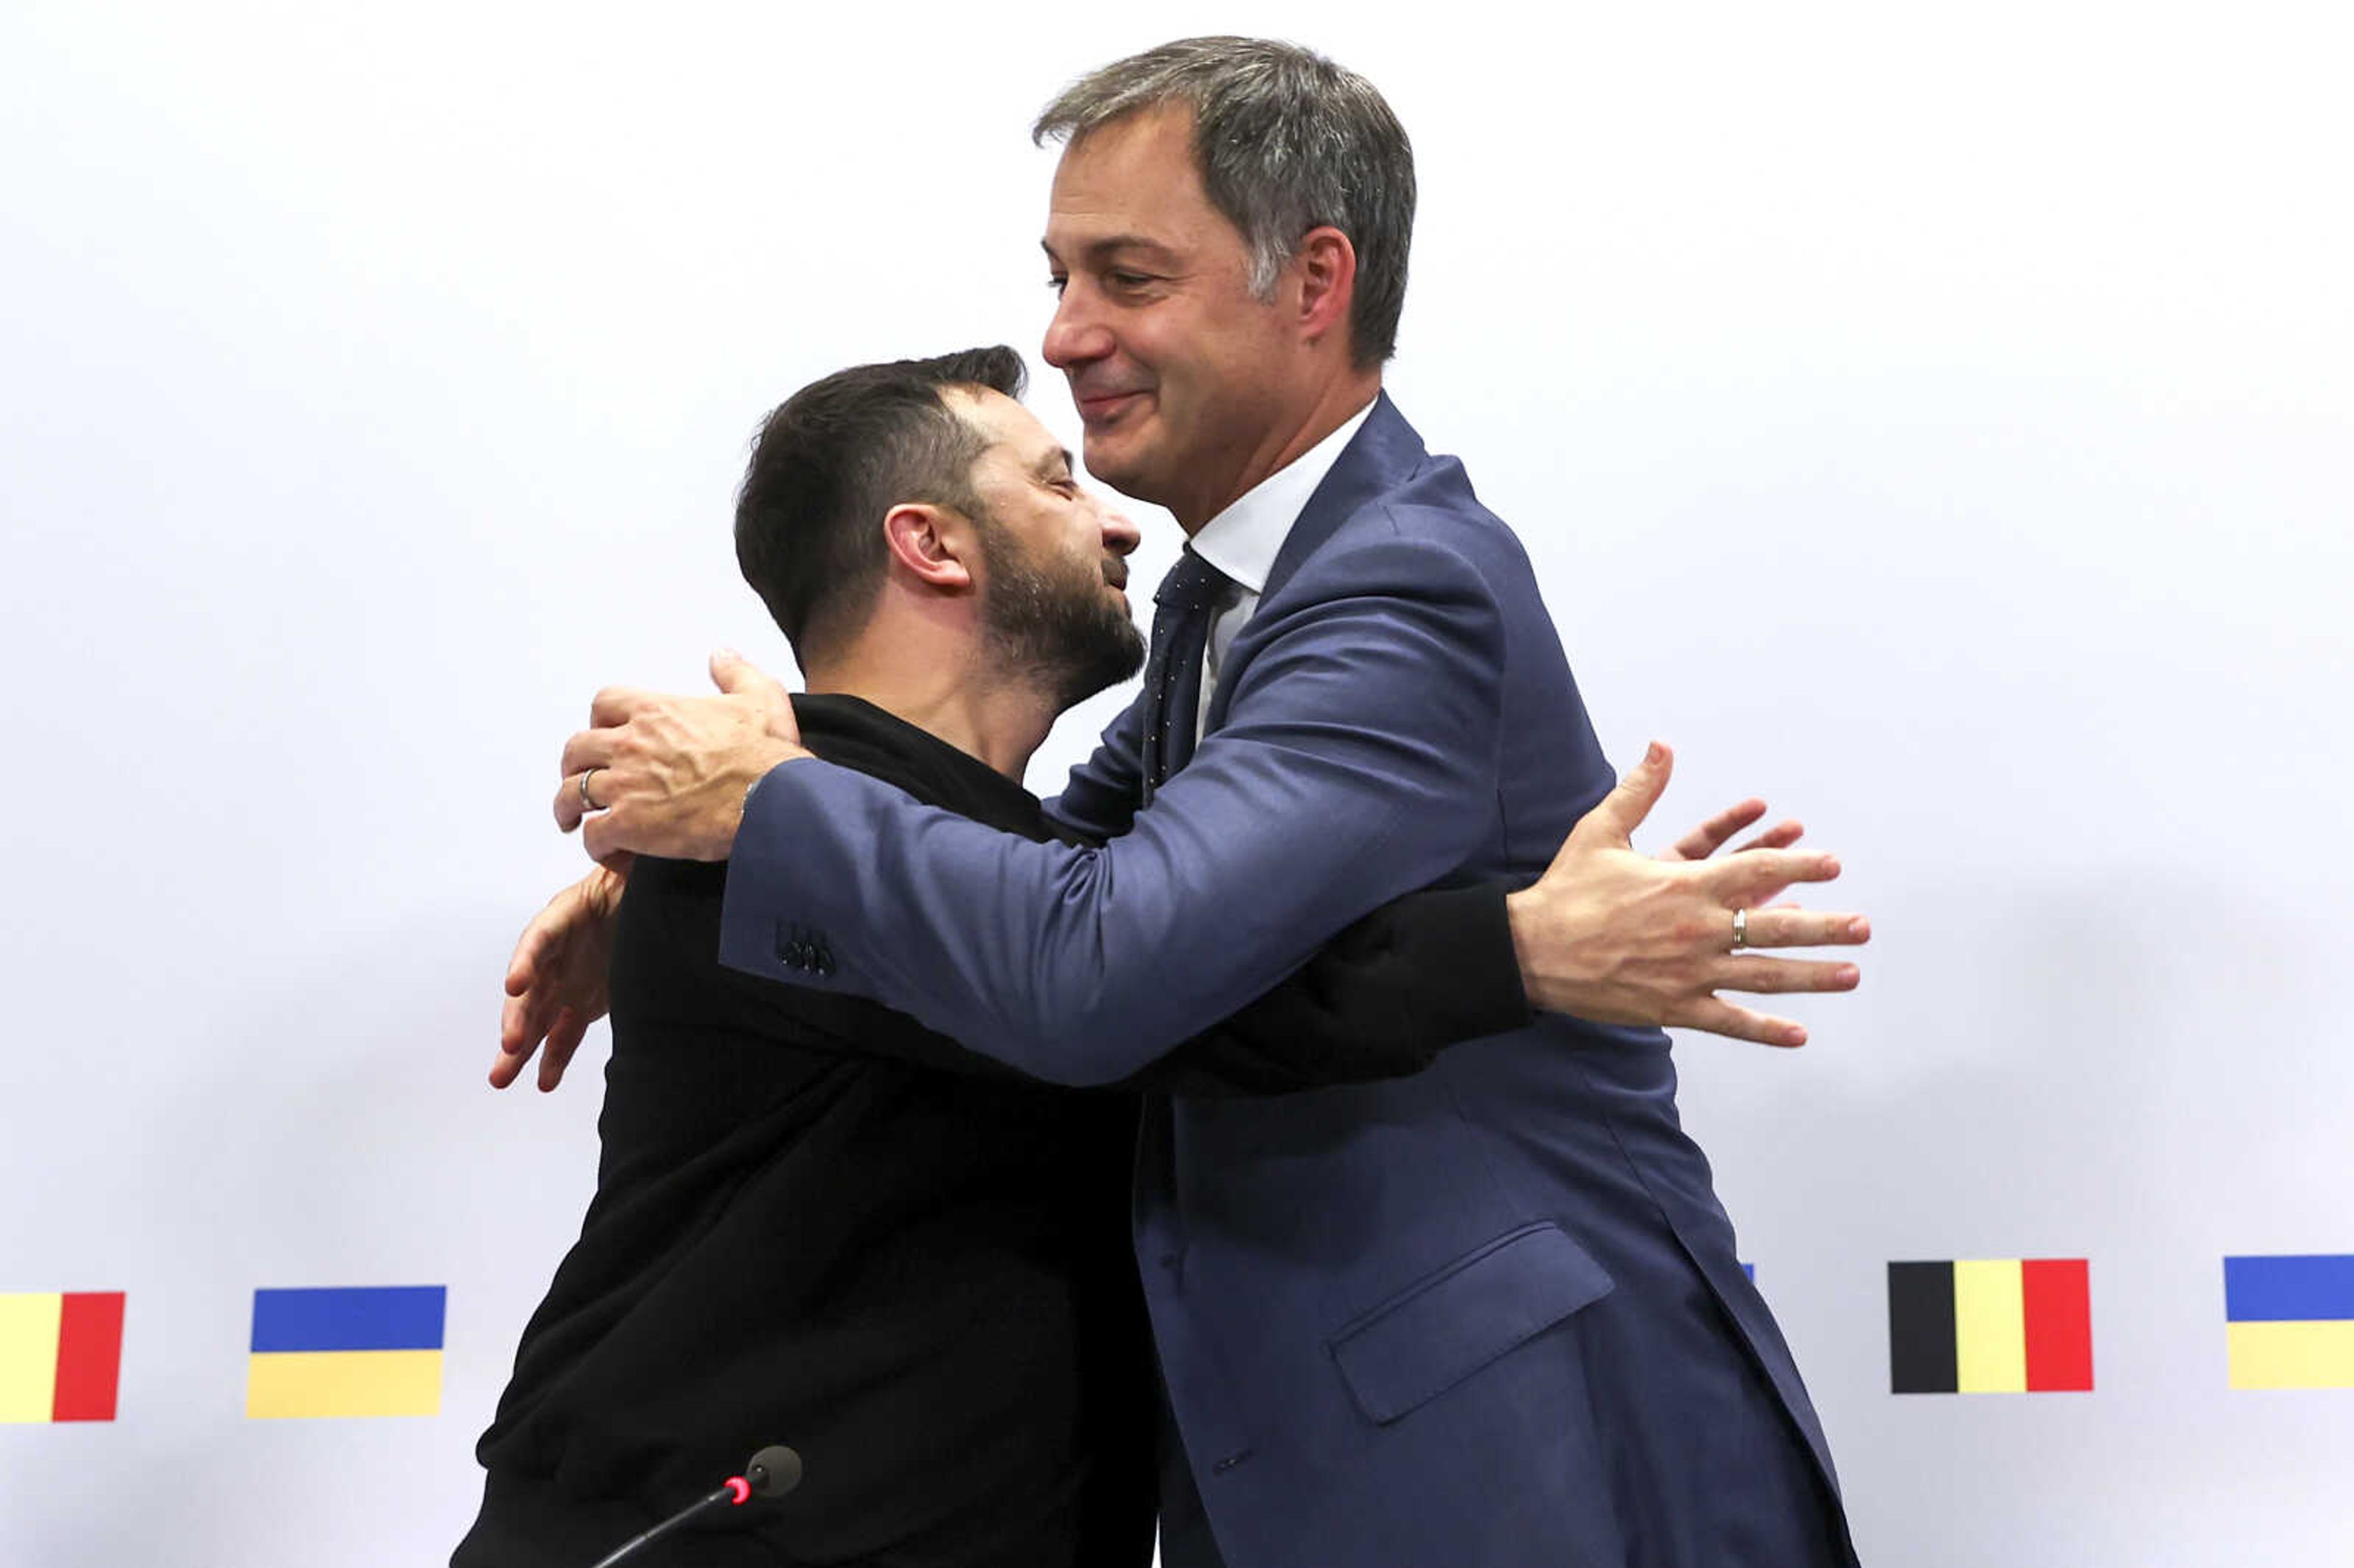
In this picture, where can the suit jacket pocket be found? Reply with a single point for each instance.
(1444, 1327)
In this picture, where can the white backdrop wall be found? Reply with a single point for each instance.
(1935, 419)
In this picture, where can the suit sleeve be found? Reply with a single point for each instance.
(1382, 999)
(1357, 761)
(1098, 800)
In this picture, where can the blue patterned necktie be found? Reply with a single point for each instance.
(1189, 599)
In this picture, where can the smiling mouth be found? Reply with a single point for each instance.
(1104, 404)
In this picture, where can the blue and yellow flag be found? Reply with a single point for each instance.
(2290, 1320)
(375, 1352)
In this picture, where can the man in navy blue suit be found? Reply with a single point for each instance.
(1487, 1317)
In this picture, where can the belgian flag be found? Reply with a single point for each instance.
(60, 1355)
(1991, 1326)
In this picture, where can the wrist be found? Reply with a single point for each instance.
(603, 888)
(1521, 916)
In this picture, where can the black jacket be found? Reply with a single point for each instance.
(818, 1224)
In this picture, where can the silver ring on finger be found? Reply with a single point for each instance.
(587, 803)
(1740, 917)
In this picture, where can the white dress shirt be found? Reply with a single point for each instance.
(1244, 540)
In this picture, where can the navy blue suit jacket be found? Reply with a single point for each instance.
(1486, 1317)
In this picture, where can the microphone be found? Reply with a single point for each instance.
(773, 1471)
(770, 1473)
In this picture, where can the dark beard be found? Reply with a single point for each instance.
(1060, 631)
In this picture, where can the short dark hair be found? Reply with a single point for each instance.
(831, 460)
(1285, 141)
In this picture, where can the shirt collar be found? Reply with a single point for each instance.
(1244, 540)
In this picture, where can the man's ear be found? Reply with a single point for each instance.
(1326, 264)
(931, 543)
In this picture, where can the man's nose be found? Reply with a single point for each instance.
(1120, 536)
(1076, 336)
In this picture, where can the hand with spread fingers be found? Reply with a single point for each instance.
(555, 982)
(662, 774)
(1619, 938)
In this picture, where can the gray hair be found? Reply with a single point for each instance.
(1286, 141)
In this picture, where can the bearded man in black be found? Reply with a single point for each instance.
(815, 1222)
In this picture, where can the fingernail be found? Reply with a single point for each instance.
(727, 653)
(1652, 753)
(1847, 974)
(1859, 929)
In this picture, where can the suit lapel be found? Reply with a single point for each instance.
(1382, 455)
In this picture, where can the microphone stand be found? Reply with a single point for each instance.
(735, 1494)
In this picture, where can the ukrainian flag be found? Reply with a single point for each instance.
(375, 1352)
(2290, 1321)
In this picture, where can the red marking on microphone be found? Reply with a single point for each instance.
(741, 1490)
